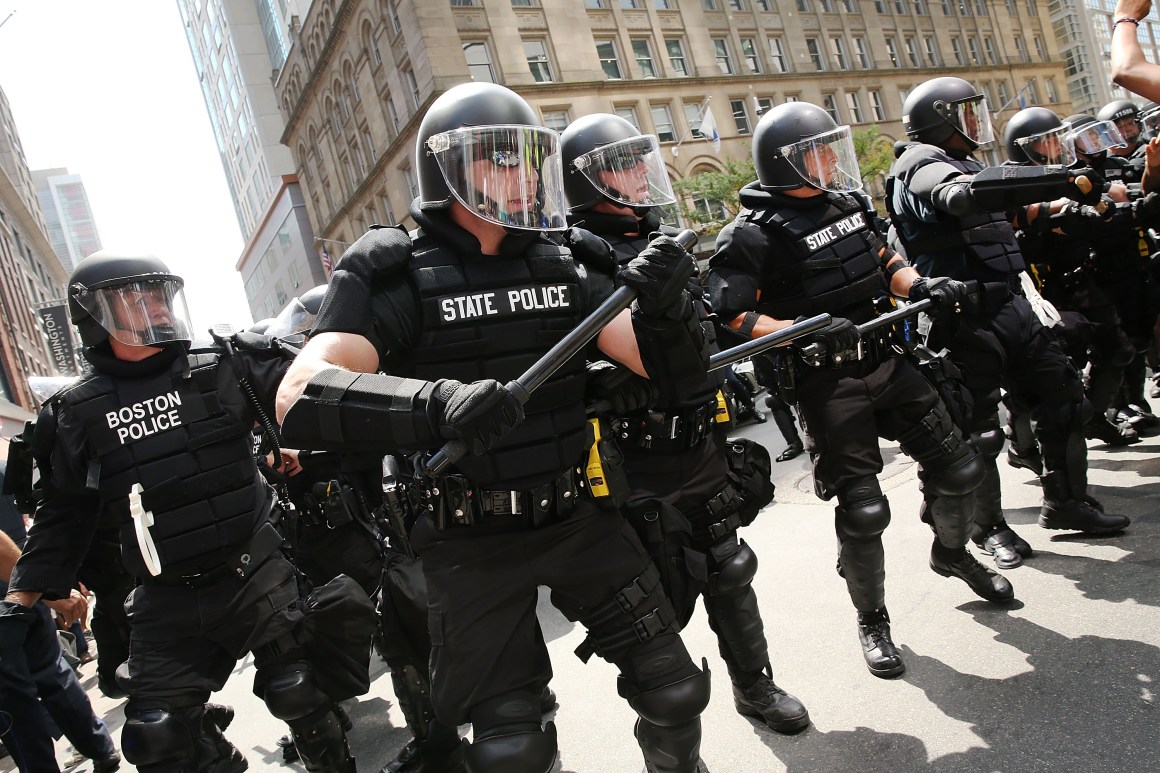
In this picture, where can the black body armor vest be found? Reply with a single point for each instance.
(831, 265)
(493, 317)
(981, 246)
(194, 461)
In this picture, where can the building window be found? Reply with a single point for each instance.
(462, 3)
(677, 63)
(932, 51)
(1032, 92)
(737, 5)
(912, 53)
(664, 5)
(957, 47)
(920, 7)
(606, 51)
(414, 86)
(1011, 8)
(1040, 50)
(556, 120)
(838, 46)
(479, 61)
(523, 3)
(412, 183)
(662, 119)
(536, 52)
(629, 114)
(876, 109)
(827, 6)
(749, 54)
(393, 13)
(815, 53)
(892, 52)
(777, 55)
(740, 116)
(1001, 86)
(989, 47)
(803, 6)
(880, 6)
(710, 5)
(854, 107)
(764, 104)
(693, 117)
(394, 114)
(850, 6)
(644, 58)
(594, 4)
(903, 93)
(830, 105)
(861, 52)
(724, 60)
(629, 4)
(711, 208)
(762, 5)
(1031, 11)
(973, 47)
(1020, 48)
(1052, 95)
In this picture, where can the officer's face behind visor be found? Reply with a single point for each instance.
(970, 116)
(1054, 146)
(147, 312)
(1151, 121)
(1097, 137)
(509, 175)
(630, 172)
(826, 161)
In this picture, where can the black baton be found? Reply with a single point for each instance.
(565, 349)
(909, 310)
(768, 341)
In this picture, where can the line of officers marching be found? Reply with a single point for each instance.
(612, 482)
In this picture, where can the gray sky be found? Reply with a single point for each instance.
(108, 90)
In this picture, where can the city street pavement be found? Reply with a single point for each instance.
(1065, 678)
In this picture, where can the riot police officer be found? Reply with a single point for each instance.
(464, 305)
(947, 211)
(806, 242)
(158, 439)
(1056, 239)
(676, 455)
(1125, 114)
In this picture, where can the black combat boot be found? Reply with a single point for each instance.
(286, 742)
(1100, 428)
(214, 719)
(783, 417)
(1002, 543)
(881, 656)
(1022, 450)
(1062, 511)
(765, 701)
(960, 563)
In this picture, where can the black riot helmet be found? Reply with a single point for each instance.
(1126, 115)
(298, 317)
(130, 297)
(797, 144)
(1094, 138)
(1036, 135)
(606, 158)
(482, 145)
(940, 108)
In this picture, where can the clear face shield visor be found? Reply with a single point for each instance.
(630, 172)
(509, 175)
(294, 320)
(1097, 137)
(1054, 146)
(143, 312)
(1151, 121)
(972, 117)
(826, 161)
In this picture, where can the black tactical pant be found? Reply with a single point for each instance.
(1005, 345)
(187, 641)
(482, 584)
(844, 411)
(684, 480)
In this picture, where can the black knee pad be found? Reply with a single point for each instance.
(671, 704)
(154, 736)
(961, 480)
(293, 695)
(862, 512)
(989, 442)
(533, 751)
(736, 571)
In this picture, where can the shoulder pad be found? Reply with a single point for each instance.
(381, 250)
(253, 342)
(915, 154)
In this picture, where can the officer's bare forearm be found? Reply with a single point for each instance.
(764, 325)
(9, 555)
(345, 351)
(25, 598)
(618, 341)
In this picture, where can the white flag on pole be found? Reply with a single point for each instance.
(709, 129)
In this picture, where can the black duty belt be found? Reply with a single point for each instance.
(676, 429)
(454, 502)
(871, 351)
(239, 562)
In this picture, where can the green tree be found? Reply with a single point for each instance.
(723, 187)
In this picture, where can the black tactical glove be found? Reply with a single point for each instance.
(945, 292)
(617, 391)
(841, 335)
(1087, 187)
(659, 273)
(478, 413)
(1146, 210)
